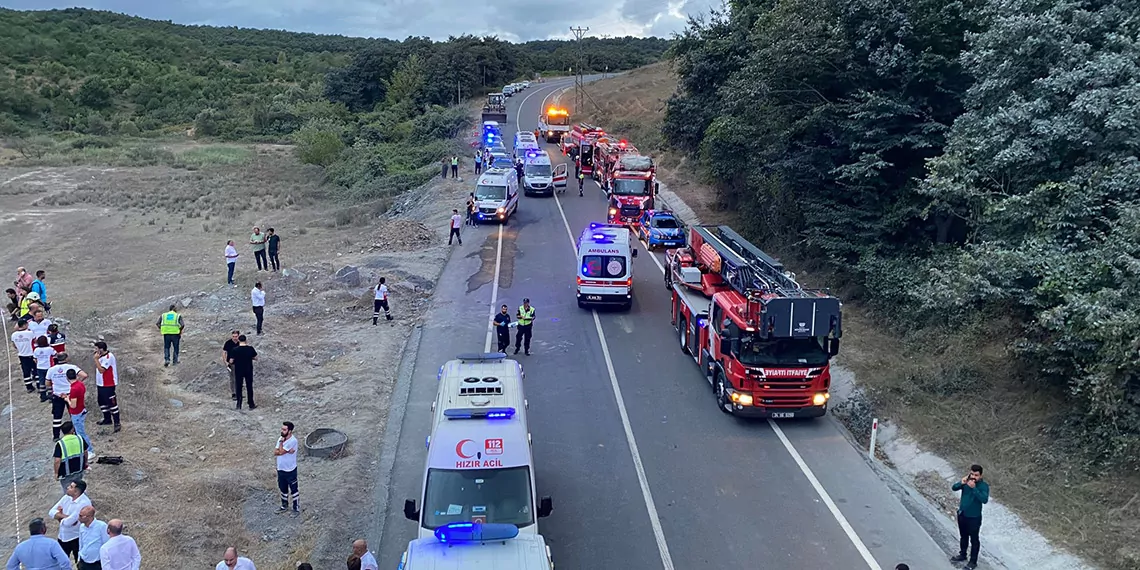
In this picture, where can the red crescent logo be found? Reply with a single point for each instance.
(459, 448)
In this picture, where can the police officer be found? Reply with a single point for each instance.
(519, 169)
(170, 325)
(525, 316)
(503, 328)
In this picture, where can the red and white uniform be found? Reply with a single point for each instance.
(109, 377)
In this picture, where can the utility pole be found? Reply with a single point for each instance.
(579, 87)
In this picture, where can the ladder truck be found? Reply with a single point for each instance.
(763, 342)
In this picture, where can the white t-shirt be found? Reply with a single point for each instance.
(231, 254)
(368, 562)
(257, 297)
(39, 329)
(43, 356)
(110, 376)
(243, 563)
(456, 221)
(23, 341)
(381, 292)
(57, 375)
(288, 461)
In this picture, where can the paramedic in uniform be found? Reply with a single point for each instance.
(106, 381)
(525, 318)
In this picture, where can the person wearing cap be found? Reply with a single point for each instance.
(525, 318)
(60, 387)
(106, 383)
(27, 302)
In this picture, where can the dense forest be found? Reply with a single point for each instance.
(963, 162)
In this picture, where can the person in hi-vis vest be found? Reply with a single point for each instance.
(171, 326)
(525, 319)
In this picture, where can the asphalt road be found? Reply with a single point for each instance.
(645, 472)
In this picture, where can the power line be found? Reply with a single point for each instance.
(579, 87)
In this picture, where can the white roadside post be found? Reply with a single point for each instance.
(874, 434)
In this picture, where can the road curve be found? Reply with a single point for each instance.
(644, 470)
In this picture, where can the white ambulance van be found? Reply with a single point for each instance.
(605, 266)
(496, 195)
(538, 173)
(478, 484)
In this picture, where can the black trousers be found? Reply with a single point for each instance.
(454, 234)
(262, 262)
(28, 367)
(244, 377)
(522, 338)
(968, 529)
(274, 261)
(108, 404)
(259, 312)
(70, 548)
(287, 484)
(58, 410)
(504, 337)
(455, 171)
(96, 565)
(378, 304)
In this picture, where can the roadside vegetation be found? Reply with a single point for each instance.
(964, 175)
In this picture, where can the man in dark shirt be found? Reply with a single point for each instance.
(69, 457)
(503, 328)
(272, 243)
(242, 357)
(231, 343)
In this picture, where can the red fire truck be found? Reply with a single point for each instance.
(628, 177)
(578, 144)
(762, 341)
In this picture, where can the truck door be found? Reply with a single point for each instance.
(560, 176)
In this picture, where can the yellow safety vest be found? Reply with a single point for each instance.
(454, 161)
(526, 316)
(170, 323)
(70, 448)
(25, 306)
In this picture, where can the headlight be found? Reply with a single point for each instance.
(501, 210)
(742, 399)
(820, 399)
(613, 211)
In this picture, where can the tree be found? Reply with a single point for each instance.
(318, 142)
(94, 93)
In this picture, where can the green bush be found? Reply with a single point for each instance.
(319, 142)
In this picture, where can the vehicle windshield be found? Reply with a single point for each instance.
(484, 192)
(558, 119)
(603, 266)
(457, 495)
(789, 352)
(629, 187)
(665, 223)
(542, 170)
(503, 162)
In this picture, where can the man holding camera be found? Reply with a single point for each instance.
(975, 493)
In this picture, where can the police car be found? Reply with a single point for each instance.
(496, 194)
(660, 228)
(605, 266)
(479, 475)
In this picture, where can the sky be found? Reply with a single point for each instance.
(512, 20)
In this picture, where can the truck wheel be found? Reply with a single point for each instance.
(683, 328)
(720, 393)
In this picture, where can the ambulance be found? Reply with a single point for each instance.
(479, 463)
(605, 266)
(496, 194)
(538, 174)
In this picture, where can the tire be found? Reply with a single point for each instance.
(683, 336)
(582, 305)
(720, 394)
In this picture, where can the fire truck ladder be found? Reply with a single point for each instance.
(745, 268)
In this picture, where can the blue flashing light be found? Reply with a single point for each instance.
(702, 322)
(459, 532)
(476, 413)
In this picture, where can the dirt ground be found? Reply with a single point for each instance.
(119, 246)
(917, 383)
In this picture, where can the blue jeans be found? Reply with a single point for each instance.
(80, 424)
(230, 272)
(170, 344)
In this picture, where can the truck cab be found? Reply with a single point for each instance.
(496, 193)
(538, 173)
(554, 123)
(605, 266)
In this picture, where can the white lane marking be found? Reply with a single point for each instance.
(499, 247)
(647, 495)
(819, 490)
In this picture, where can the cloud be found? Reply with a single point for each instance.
(514, 20)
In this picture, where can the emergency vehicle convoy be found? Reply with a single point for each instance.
(554, 123)
(578, 144)
(763, 342)
(479, 476)
(628, 178)
(605, 266)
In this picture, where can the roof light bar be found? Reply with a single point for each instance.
(459, 532)
(479, 414)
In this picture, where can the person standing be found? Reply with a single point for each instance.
(40, 289)
(581, 184)
(56, 338)
(257, 299)
(456, 222)
(60, 386)
(503, 328)
(23, 339)
(367, 560)
(92, 536)
(231, 262)
(38, 551)
(231, 561)
(171, 325)
(478, 162)
(106, 385)
(273, 245)
(525, 316)
(286, 454)
(242, 357)
(77, 408)
(455, 167)
(443, 168)
(257, 240)
(66, 511)
(380, 302)
(44, 355)
(975, 493)
(471, 209)
(231, 343)
(39, 325)
(69, 460)
(120, 552)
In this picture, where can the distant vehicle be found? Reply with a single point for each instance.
(500, 160)
(508, 90)
(628, 178)
(495, 109)
(605, 266)
(554, 123)
(578, 144)
(660, 228)
(526, 84)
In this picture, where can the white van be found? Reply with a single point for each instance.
(496, 195)
(538, 173)
(524, 141)
(605, 266)
(477, 547)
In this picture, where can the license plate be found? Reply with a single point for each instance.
(778, 415)
(593, 297)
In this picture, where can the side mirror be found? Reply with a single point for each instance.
(410, 511)
(545, 507)
(832, 346)
(634, 253)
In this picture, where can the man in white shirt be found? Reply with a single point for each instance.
(367, 561)
(92, 536)
(66, 511)
(380, 302)
(39, 325)
(60, 388)
(231, 561)
(286, 453)
(257, 299)
(22, 339)
(120, 552)
(231, 261)
(456, 223)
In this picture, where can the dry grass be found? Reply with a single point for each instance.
(957, 394)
